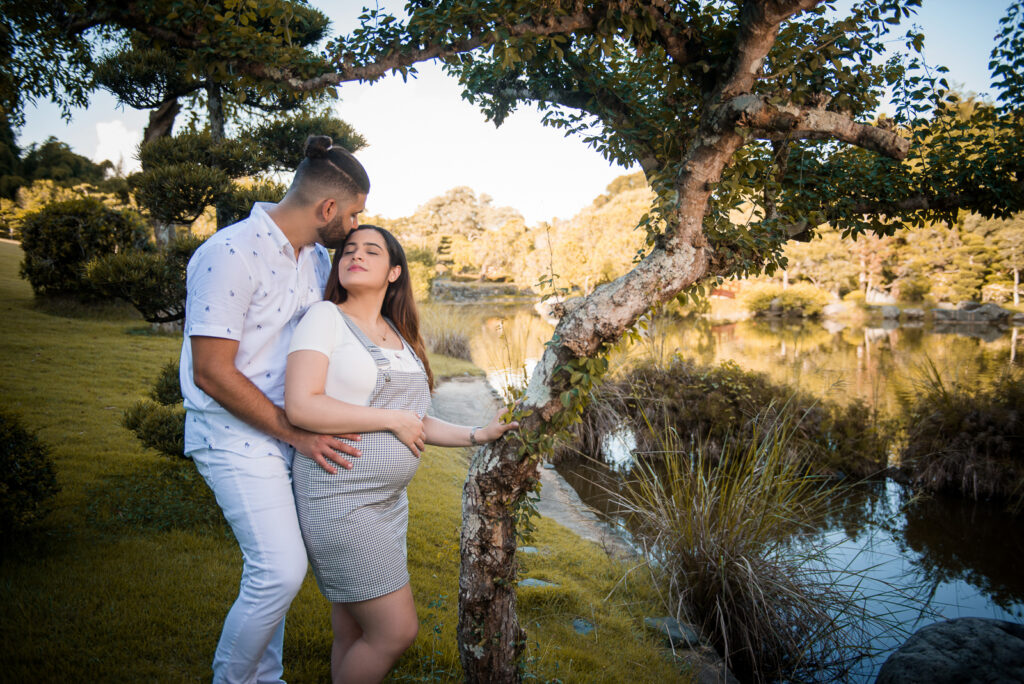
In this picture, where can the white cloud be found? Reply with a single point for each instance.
(118, 143)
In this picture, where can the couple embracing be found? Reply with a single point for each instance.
(306, 388)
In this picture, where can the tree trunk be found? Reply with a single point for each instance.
(215, 111)
(1016, 286)
(491, 642)
(161, 120)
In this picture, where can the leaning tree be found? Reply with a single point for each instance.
(721, 103)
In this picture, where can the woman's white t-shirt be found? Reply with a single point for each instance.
(351, 371)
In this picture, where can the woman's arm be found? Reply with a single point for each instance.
(440, 433)
(309, 408)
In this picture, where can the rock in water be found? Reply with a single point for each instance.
(962, 651)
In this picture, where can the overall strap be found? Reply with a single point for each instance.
(405, 343)
(378, 356)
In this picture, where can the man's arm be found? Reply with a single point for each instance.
(214, 372)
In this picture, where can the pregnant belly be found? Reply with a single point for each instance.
(385, 468)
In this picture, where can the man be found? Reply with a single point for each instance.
(248, 285)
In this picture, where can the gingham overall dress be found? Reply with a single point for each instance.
(354, 522)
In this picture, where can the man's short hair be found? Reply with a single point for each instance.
(326, 170)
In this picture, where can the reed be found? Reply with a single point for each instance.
(718, 532)
(965, 434)
(446, 331)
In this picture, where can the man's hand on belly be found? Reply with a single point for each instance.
(325, 449)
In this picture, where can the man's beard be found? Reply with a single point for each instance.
(334, 233)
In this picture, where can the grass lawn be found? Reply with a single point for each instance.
(130, 576)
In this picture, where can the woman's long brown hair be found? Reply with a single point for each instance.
(398, 305)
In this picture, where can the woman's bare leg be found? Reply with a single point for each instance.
(346, 632)
(389, 627)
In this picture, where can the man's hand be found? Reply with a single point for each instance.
(407, 426)
(325, 448)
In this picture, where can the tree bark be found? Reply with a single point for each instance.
(490, 638)
(215, 112)
(161, 120)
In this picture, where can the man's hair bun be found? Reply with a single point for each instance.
(317, 146)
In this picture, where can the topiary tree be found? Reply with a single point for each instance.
(28, 479)
(59, 239)
(151, 281)
(159, 421)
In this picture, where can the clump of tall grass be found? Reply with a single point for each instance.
(965, 436)
(446, 331)
(718, 531)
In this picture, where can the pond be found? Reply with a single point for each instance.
(924, 560)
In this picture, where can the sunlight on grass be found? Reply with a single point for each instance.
(131, 575)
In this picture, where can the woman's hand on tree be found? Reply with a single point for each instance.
(496, 428)
(407, 426)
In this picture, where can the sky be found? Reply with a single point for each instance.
(424, 139)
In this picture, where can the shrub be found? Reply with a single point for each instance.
(179, 193)
(159, 423)
(59, 239)
(966, 438)
(421, 276)
(152, 282)
(709, 404)
(167, 388)
(797, 299)
(237, 203)
(280, 142)
(27, 477)
(232, 156)
(855, 297)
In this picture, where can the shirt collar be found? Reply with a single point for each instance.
(281, 241)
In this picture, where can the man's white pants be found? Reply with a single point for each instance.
(255, 494)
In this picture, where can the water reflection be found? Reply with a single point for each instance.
(922, 560)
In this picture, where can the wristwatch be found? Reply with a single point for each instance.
(472, 435)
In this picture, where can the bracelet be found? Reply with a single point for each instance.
(472, 435)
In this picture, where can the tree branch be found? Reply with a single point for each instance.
(585, 101)
(759, 27)
(369, 72)
(790, 122)
(679, 41)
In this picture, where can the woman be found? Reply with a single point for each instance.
(357, 365)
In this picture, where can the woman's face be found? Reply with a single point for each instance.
(365, 263)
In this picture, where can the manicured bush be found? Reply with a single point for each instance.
(802, 299)
(159, 422)
(236, 204)
(27, 477)
(179, 193)
(710, 405)
(167, 388)
(152, 282)
(62, 237)
(280, 143)
(232, 156)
